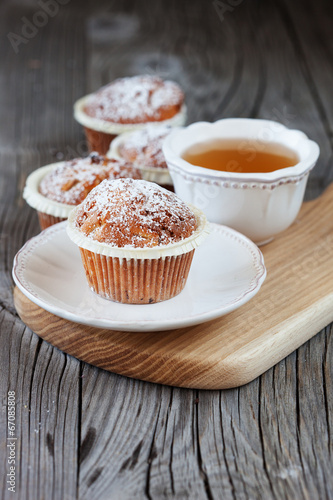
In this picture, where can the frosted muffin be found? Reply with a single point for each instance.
(54, 189)
(136, 240)
(144, 148)
(128, 104)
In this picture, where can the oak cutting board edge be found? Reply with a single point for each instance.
(181, 369)
(277, 342)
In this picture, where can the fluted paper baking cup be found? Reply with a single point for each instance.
(41, 203)
(118, 128)
(159, 175)
(130, 252)
(136, 281)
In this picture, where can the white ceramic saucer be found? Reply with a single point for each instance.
(227, 271)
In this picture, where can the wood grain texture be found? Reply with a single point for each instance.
(116, 437)
(294, 303)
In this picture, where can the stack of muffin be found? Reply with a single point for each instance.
(136, 238)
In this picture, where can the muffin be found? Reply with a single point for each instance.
(136, 240)
(128, 104)
(54, 189)
(144, 148)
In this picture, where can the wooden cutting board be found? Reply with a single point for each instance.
(294, 303)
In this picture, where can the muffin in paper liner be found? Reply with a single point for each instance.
(100, 132)
(138, 275)
(49, 211)
(153, 174)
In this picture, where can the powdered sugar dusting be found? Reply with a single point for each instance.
(71, 181)
(144, 146)
(134, 213)
(136, 99)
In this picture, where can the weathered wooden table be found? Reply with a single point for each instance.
(86, 433)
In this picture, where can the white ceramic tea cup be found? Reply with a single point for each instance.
(259, 205)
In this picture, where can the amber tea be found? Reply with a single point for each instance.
(243, 156)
